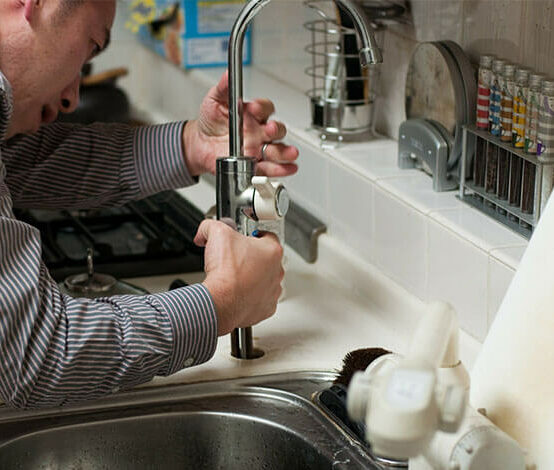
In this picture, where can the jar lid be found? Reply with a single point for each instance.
(509, 69)
(486, 60)
(547, 85)
(535, 79)
(497, 65)
(522, 74)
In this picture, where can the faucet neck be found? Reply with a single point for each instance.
(236, 41)
(369, 54)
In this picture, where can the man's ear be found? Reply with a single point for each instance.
(30, 8)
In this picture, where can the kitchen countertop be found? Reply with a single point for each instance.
(331, 307)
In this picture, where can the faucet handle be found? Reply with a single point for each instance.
(271, 199)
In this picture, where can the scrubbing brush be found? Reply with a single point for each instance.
(357, 360)
(333, 399)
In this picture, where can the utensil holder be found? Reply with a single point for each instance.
(502, 181)
(342, 98)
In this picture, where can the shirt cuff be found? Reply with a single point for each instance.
(193, 320)
(159, 158)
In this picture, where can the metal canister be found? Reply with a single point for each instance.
(495, 96)
(508, 87)
(532, 116)
(545, 132)
(519, 109)
(484, 91)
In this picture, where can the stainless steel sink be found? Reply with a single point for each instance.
(267, 422)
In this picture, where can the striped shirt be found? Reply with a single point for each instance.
(55, 349)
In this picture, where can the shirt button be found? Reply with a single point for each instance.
(189, 362)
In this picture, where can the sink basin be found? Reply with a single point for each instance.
(265, 423)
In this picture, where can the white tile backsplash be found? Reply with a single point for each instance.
(510, 256)
(309, 184)
(458, 274)
(351, 210)
(400, 242)
(478, 228)
(500, 277)
(375, 159)
(415, 187)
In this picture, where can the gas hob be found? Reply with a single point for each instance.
(150, 237)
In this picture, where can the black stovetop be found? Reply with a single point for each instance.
(144, 238)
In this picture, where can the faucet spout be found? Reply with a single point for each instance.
(369, 54)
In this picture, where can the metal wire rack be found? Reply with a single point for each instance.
(342, 97)
(503, 182)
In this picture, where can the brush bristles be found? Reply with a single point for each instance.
(357, 360)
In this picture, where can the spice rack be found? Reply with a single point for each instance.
(502, 181)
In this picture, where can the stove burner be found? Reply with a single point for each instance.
(89, 282)
(145, 238)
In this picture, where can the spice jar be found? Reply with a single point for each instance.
(495, 96)
(545, 131)
(492, 168)
(479, 162)
(483, 91)
(532, 117)
(503, 174)
(519, 109)
(508, 86)
(528, 188)
(516, 167)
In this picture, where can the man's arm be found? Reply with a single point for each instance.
(72, 166)
(56, 349)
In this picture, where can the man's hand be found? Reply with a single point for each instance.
(244, 274)
(207, 138)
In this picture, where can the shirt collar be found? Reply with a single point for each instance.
(6, 105)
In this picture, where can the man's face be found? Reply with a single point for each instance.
(45, 54)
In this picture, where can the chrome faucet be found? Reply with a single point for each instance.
(242, 196)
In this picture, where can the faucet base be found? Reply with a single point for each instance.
(242, 345)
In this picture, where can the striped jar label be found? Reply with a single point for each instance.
(495, 106)
(506, 111)
(519, 111)
(545, 132)
(531, 122)
(483, 98)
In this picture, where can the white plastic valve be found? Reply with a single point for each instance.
(271, 199)
(359, 393)
(416, 407)
(407, 403)
(403, 411)
(452, 405)
(360, 387)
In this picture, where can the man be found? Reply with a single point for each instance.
(55, 349)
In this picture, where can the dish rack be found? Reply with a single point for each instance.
(502, 181)
(342, 97)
